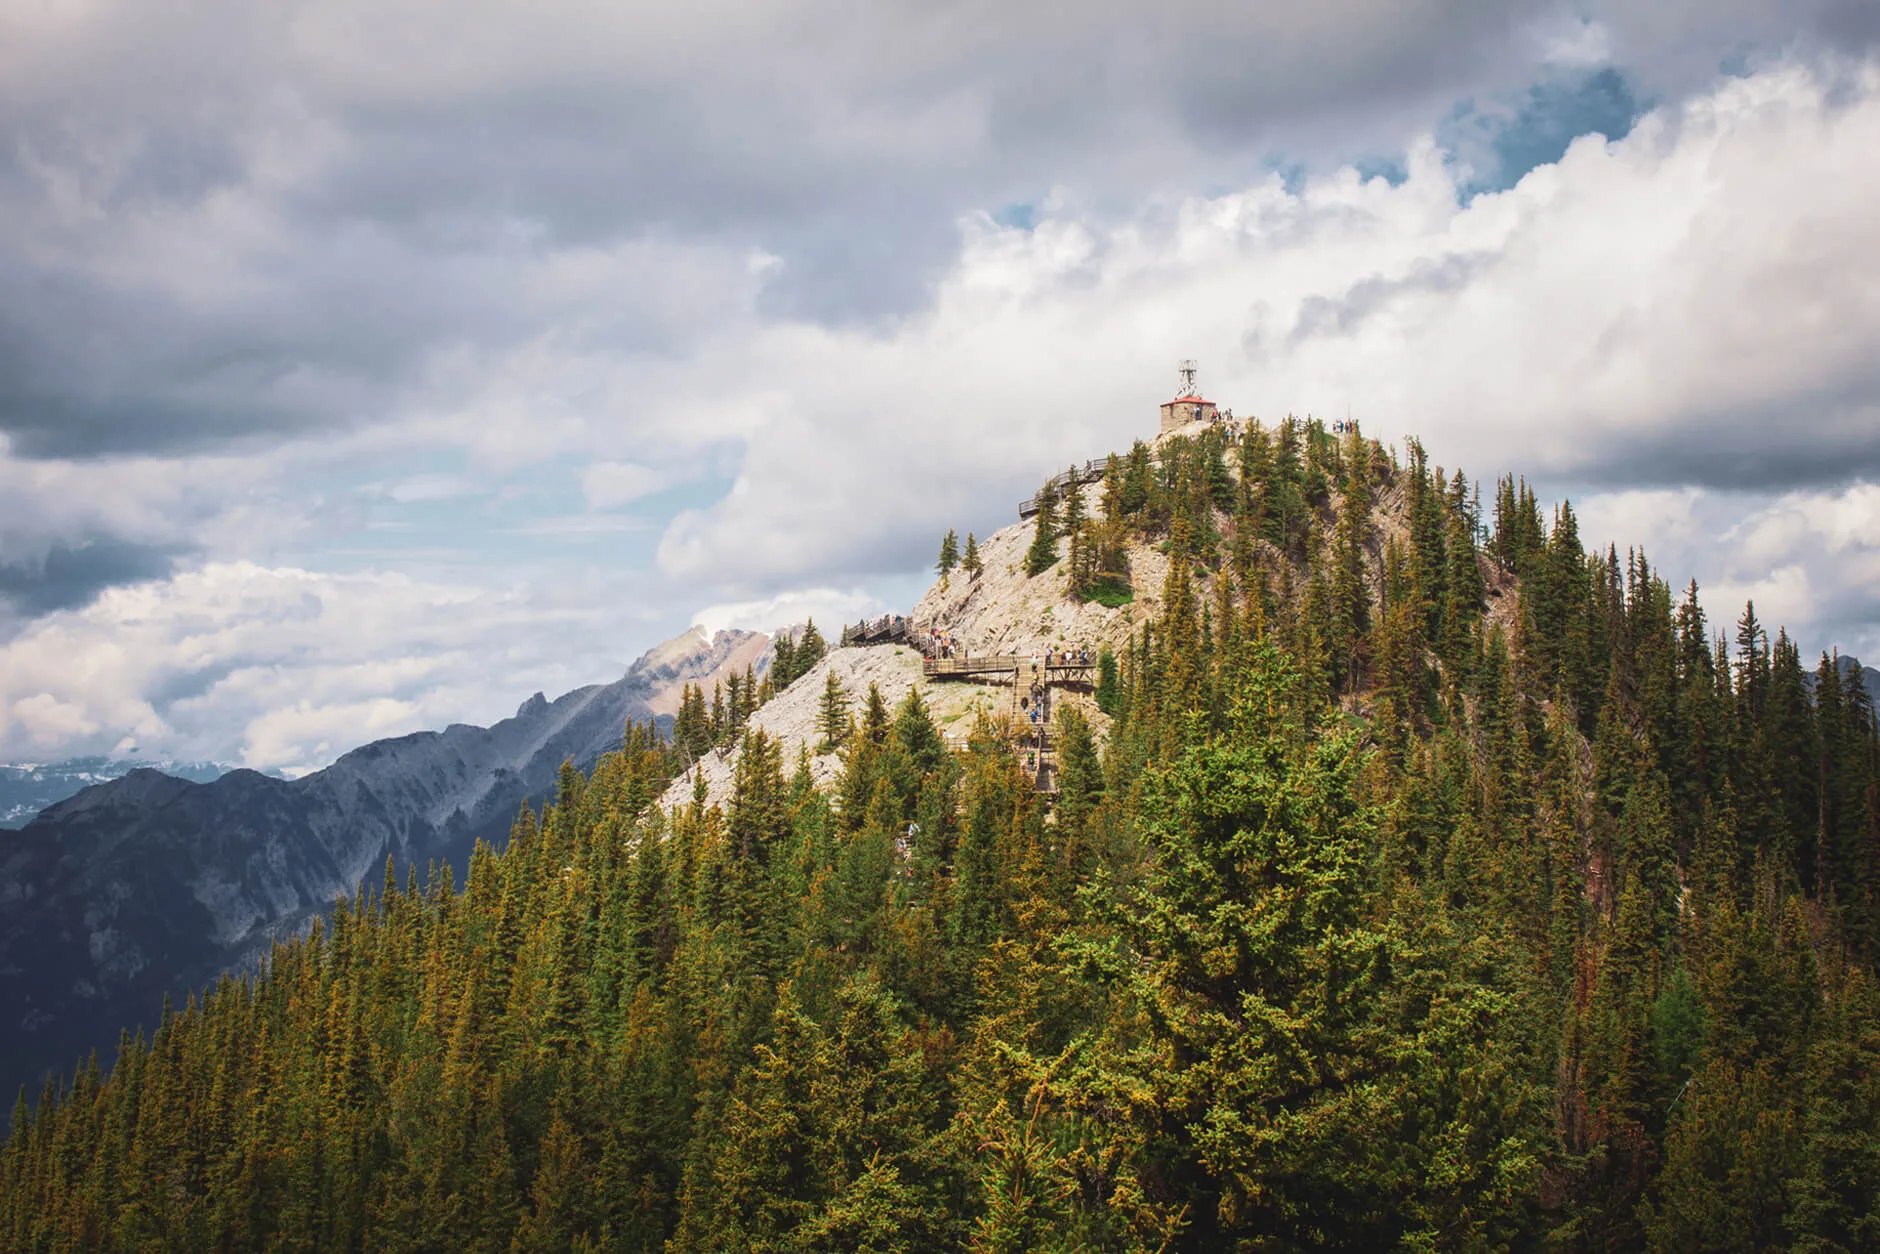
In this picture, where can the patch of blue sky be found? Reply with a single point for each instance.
(1495, 142)
(1018, 216)
(436, 518)
(1393, 170)
(1291, 170)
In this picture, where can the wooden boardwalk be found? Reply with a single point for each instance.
(964, 667)
(1060, 674)
(888, 629)
(1032, 683)
(1031, 677)
(1089, 472)
(1070, 674)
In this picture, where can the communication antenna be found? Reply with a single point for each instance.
(1187, 369)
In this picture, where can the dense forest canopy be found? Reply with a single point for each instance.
(1432, 884)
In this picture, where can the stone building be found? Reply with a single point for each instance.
(1187, 406)
(1186, 409)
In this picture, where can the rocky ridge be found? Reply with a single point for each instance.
(1002, 611)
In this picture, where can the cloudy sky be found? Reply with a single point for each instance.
(366, 367)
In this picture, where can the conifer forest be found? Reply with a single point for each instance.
(1431, 883)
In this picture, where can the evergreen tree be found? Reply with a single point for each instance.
(783, 659)
(1043, 552)
(810, 648)
(832, 718)
(949, 555)
(875, 721)
(1108, 694)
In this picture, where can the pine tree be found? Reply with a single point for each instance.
(810, 648)
(1043, 552)
(1351, 600)
(1082, 564)
(832, 718)
(783, 659)
(971, 562)
(1073, 503)
(875, 720)
(1108, 690)
(949, 555)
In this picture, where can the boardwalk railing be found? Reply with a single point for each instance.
(888, 629)
(1055, 673)
(1089, 472)
(947, 668)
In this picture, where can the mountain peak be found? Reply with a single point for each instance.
(693, 657)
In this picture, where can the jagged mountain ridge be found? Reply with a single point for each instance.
(151, 885)
(28, 788)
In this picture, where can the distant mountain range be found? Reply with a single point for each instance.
(1845, 665)
(27, 788)
(153, 884)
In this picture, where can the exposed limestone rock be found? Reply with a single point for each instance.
(1003, 611)
(790, 717)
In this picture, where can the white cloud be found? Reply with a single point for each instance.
(575, 526)
(430, 488)
(286, 668)
(1694, 304)
(608, 485)
(1657, 520)
(47, 720)
(304, 735)
(1580, 43)
(829, 607)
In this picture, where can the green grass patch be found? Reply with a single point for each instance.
(1111, 593)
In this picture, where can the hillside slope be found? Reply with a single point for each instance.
(1006, 611)
(1003, 611)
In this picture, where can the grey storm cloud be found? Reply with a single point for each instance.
(233, 223)
(65, 576)
(1823, 440)
(1329, 316)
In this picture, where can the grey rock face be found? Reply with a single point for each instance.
(150, 885)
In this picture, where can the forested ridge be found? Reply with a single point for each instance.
(1372, 919)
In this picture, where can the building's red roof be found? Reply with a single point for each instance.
(1188, 400)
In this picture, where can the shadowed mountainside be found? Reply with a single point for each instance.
(150, 885)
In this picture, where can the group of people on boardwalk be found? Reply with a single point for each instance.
(1062, 656)
(942, 644)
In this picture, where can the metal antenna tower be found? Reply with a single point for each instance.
(1187, 369)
